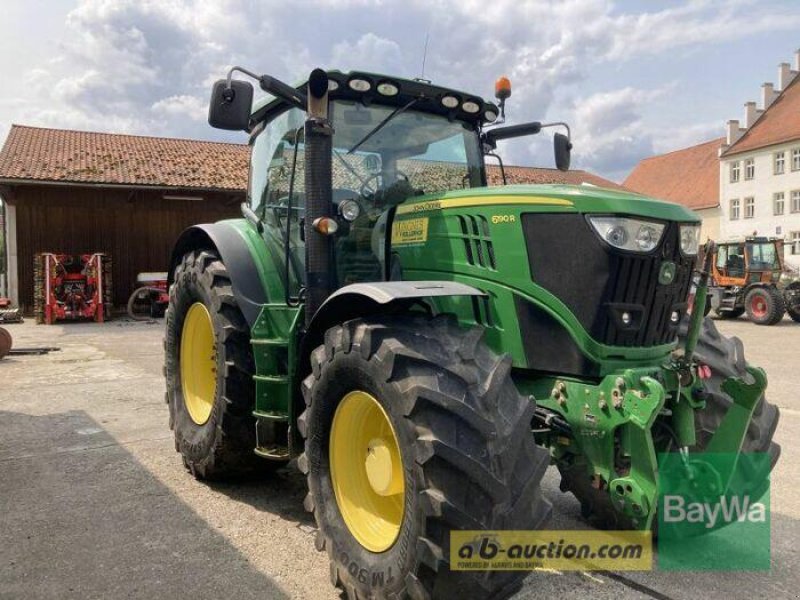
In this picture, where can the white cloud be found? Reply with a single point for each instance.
(182, 106)
(369, 53)
(145, 66)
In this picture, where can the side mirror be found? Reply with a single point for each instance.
(230, 106)
(562, 147)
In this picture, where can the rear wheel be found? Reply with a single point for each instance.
(414, 428)
(726, 358)
(791, 297)
(209, 368)
(764, 305)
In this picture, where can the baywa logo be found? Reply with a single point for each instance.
(714, 512)
(726, 510)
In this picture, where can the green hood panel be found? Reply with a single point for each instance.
(563, 198)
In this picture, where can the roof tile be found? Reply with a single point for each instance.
(33, 153)
(61, 155)
(689, 177)
(778, 124)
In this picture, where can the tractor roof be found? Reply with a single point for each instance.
(429, 96)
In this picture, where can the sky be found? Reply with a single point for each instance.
(632, 79)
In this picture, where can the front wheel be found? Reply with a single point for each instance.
(729, 314)
(413, 428)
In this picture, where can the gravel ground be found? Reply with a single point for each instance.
(94, 501)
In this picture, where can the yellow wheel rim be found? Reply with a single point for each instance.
(367, 471)
(198, 363)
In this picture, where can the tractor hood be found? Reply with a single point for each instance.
(562, 198)
(577, 303)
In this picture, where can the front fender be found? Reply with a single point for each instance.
(368, 299)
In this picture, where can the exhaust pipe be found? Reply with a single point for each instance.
(319, 199)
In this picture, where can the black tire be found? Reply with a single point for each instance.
(726, 358)
(729, 314)
(772, 300)
(791, 296)
(224, 444)
(5, 342)
(462, 427)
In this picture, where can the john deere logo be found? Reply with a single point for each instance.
(667, 273)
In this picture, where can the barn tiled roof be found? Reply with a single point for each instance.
(542, 175)
(778, 124)
(689, 177)
(59, 155)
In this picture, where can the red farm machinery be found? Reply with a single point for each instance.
(72, 286)
(150, 298)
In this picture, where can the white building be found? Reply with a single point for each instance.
(760, 166)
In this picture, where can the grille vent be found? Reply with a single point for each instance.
(477, 241)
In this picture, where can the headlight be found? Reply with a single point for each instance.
(349, 209)
(628, 234)
(690, 239)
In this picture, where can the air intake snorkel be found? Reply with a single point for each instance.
(318, 192)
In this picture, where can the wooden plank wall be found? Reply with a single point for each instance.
(137, 227)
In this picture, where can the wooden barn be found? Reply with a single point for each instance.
(129, 196)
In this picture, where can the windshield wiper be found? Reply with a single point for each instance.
(399, 110)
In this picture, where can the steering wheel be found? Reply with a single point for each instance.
(366, 191)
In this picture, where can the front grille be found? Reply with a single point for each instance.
(599, 283)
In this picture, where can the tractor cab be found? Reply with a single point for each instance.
(753, 260)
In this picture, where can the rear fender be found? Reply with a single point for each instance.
(245, 259)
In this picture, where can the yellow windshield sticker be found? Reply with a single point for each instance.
(479, 201)
(410, 231)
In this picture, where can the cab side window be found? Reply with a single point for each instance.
(271, 165)
(276, 171)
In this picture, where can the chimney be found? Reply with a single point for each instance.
(785, 75)
(733, 132)
(797, 60)
(768, 95)
(750, 114)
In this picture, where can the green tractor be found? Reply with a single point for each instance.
(425, 345)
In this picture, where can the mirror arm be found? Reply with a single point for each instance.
(559, 124)
(273, 86)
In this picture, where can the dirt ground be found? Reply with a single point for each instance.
(94, 501)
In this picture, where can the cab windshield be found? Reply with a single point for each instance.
(763, 257)
(397, 155)
(421, 152)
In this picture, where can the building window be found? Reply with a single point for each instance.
(749, 207)
(796, 159)
(794, 241)
(796, 201)
(735, 209)
(779, 162)
(734, 171)
(749, 168)
(777, 203)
